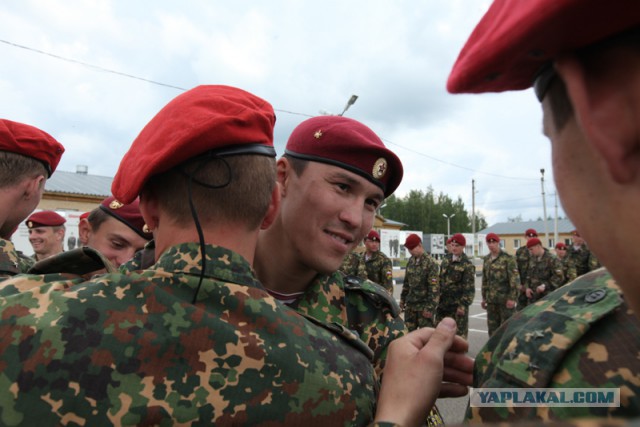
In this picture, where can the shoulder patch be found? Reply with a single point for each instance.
(373, 292)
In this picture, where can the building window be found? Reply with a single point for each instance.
(551, 243)
(516, 243)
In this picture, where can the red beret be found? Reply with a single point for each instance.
(31, 142)
(576, 233)
(515, 38)
(531, 233)
(561, 245)
(348, 144)
(459, 239)
(207, 118)
(128, 214)
(448, 240)
(412, 241)
(84, 216)
(532, 242)
(44, 219)
(373, 235)
(492, 237)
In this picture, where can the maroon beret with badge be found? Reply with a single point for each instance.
(31, 142)
(373, 235)
(348, 144)
(492, 237)
(459, 239)
(220, 119)
(531, 233)
(576, 233)
(412, 241)
(516, 38)
(44, 219)
(561, 245)
(532, 242)
(128, 214)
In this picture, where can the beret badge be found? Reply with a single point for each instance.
(115, 205)
(379, 168)
(318, 134)
(30, 224)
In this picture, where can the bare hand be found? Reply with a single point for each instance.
(529, 293)
(483, 304)
(540, 289)
(511, 304)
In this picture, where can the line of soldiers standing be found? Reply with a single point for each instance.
(510, 283)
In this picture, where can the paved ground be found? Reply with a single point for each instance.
(453, 410)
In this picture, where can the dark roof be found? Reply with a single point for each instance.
(518, 228)
(79, 183)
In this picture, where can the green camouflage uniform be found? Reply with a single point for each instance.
(380, 270)
(457, 289)
(581, 336)
(500, 283)
(522, 259)
(583, 259)
(544, 271)
(10, 263)
(568, 269)
(123, 350)
(353, 265)
(420, 292)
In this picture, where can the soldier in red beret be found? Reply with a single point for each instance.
(334, 174)
(568, 266)
(457, 285)
(522, 259)
(46, 234)
(28, 156)
(379, 267)
(582, 59)
(500, 284)
(582, 257)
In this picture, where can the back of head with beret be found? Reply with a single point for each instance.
(32, 142)
(223, 119)
(348, 144)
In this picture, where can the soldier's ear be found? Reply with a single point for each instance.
(274, 207)
(283, 174)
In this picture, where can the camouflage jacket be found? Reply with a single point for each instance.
(581, 336)
(380, 270)
(123, 350)
(421, 287)
(582, 258)
(353, 265)
(9, 260)
(522, 259)
(457, 282)
(500, 279)
(568, 269)
(545, 271)
(360, 305)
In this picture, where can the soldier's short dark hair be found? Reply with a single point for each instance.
(15, 167)
(251, 179)
(298, 165)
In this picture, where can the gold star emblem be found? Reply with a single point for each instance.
(379, 168)
(145, 229)
(318, 134)
(30, 224)
(115, 205)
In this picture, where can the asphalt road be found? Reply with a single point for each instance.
(453, 410)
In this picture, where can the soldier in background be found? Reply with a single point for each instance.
(421, 287)
(353, 265)
(583, 61)
(28, 157)
(568, 266)
(379, 267)
(457, 285)
(545, 272)
(522, 259)
(582, 257)
(46, 234)
(500, 284)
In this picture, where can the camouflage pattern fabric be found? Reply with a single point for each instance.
(10, 264)
(457, 289)
(380, 270)
(547, 271)
(594, 264)
(568, 269)
(142, 259)
(581, 336)
(500, 283)
(353, 265)
(581, 257)
(420, 292)
(522, 259)
(25, 262)
(124, 350)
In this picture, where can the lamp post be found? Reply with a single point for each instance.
(448, 223)
(350, 102)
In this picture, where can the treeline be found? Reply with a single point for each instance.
(424, 211)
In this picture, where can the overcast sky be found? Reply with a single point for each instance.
(306, 58)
